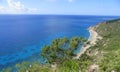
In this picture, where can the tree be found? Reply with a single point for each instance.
(61, 49)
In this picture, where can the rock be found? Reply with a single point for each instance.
(93, 68)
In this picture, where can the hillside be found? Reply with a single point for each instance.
(107, 51)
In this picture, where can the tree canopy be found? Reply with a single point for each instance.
(61, 49)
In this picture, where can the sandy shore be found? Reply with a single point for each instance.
(92, 39)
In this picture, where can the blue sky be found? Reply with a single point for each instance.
(65, 7)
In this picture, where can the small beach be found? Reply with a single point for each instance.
(92, 39)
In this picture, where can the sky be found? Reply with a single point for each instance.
(61, 7)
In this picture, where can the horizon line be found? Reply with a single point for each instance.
(63, 14)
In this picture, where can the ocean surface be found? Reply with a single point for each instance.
(23, 36)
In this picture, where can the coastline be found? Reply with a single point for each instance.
(92, 40)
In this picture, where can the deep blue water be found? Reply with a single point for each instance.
(22, 36)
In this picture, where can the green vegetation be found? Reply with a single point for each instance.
(61, 49)
(103, 57)
(110, 46)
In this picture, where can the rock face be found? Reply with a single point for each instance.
(54, 66)
(93, 68)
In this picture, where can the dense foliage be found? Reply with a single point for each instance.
(61, 49)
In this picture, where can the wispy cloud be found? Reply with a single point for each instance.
(17, 7)
(70, 0)
(2, 8)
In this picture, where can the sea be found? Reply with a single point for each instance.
(23, 36)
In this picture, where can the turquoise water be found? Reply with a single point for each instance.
(23, 36)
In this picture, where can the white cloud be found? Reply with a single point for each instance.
(2, 8)
(17, 7)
